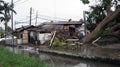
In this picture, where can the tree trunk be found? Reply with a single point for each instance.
(5, 32)
(114, 31)
(95, 33)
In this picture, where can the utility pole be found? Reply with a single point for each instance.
(15, 24)
(30, 15)
(36, 17)
(85, 25)
(12, 24)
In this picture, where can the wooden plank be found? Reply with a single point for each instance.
(72, 39)
(52, 38)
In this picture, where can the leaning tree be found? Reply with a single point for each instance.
(102, 20)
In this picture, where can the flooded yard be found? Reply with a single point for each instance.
(60, 61)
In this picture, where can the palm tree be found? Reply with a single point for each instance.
(5, 9)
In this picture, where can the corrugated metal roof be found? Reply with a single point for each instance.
(68, 23)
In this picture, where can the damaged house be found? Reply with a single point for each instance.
(45, 32)
(32, 35)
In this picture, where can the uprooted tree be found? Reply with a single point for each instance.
(102, 20)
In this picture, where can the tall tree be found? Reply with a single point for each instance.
(102, 20)
(5, 9)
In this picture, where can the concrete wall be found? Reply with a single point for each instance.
(43, 37)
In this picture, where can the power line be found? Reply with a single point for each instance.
(18, 22)
(39, 17)
(20, 2)
(48, 19)
(23, 19)
(52, 17)
(17, 1)
(43, 18)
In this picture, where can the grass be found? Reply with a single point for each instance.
(9, 59)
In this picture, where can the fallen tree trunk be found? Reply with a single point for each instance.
(101, 26)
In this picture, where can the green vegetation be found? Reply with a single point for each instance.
(58, 43)
(16, 34)
(1, 34)
(62, 45)
(99, 11)
(103, 18)
(9, 59)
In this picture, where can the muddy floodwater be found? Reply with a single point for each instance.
(60, 61)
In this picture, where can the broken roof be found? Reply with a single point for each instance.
(23, 28)
(68, 23)
(60, 23)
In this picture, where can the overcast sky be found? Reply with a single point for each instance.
(67, 9)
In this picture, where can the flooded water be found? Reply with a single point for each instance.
(60, 61)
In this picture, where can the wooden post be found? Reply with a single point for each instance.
(52, 38)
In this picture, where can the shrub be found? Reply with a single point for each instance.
(9, 59)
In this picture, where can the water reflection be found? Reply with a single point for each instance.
(60, 61)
